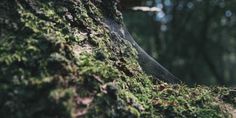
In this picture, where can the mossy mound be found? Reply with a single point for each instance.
(57, 59)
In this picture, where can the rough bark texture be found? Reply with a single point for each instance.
(58, 59)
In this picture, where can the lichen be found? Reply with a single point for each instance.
(57, 59)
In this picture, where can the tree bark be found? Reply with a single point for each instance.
(59, 59)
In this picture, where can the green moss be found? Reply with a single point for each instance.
(58, 60)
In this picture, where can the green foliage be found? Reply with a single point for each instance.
(194, 39)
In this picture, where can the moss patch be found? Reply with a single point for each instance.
(58, 59)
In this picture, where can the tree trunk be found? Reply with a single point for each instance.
(59, 59)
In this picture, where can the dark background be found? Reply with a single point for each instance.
(194, 39)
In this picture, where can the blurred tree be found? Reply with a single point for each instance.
(195, 39)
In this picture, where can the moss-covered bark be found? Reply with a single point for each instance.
(57, 59)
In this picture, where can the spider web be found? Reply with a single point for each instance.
(148, 64)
